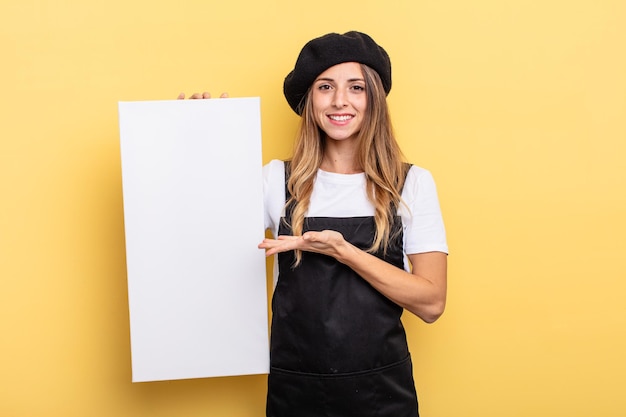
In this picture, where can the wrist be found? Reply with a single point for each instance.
(346, 252)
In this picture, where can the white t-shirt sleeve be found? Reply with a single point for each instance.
(424, 229)
(273, 194)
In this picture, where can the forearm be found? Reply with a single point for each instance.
(424, 296)
(422, 292)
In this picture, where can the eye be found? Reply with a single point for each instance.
(358, 87)
(323, 87)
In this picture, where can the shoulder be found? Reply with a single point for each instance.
(418, 180)
(273, 167)
(274, 173)
(416, 171)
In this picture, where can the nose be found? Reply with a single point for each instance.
(340, 98)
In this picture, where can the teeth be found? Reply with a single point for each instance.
(340, 118)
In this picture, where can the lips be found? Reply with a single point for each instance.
(340, 117)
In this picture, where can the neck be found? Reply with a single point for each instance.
(340, 158)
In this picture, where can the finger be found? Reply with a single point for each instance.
(286, 237)
(270, 243)
(273, 246)
(181, 96)
(274, 249)
(224, 95)
(269, 249)
(206, 94)
(266, 243)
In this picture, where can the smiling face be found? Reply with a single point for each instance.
(339, 101)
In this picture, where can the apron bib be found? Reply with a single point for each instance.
(338, 347)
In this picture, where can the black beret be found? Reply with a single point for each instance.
(331, 49)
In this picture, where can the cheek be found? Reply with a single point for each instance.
(318, 120)
(318, 102)
(318, 109)
(362, 103)
(316, 112)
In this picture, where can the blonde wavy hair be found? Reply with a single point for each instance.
(379, 157)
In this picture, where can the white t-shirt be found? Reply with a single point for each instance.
(344, 195)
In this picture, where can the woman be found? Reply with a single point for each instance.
(359, 238)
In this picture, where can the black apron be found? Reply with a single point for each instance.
(338, 347)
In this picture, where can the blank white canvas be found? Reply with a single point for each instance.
(193, 212)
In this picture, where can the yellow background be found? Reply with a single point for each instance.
(517, 107)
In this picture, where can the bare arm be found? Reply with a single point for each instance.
(422, 291)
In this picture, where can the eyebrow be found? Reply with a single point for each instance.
(331, 79)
